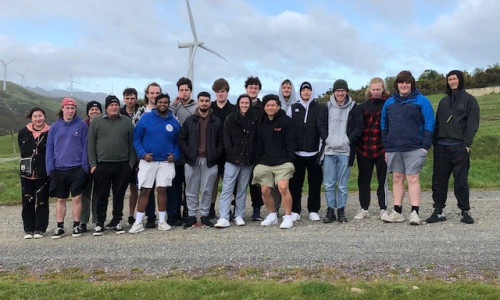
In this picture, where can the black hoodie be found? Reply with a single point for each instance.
(275, 142)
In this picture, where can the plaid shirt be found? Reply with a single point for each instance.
(370, 142)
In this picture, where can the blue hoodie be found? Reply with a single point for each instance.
(67, 145)
(407, 122)
(158, 135)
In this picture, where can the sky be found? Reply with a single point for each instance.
(106, 46)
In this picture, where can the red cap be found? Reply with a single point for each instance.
(68, 101)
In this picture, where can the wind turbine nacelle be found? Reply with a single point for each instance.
(190, 44)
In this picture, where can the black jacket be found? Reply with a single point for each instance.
(275, 144)
(27, 146)
(189, 137)
(458, 123)
(306, 135)
(240, 138)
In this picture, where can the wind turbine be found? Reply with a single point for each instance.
(71, 83)
(5, 72)
(193, 46)
(23, 81)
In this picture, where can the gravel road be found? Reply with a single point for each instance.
(364, 245)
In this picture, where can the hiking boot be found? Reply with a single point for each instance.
(466, 218)
(136, 228)
(271, 219)
(28, 235)
(83, 227)
(118, 229)
(330, 216)
(341, 215)
(205, 220)
(131, 220)
(287, 222)
(164, 226)
(222, 223)
(58, 233)
(239, 221)
(414, 218)
(313, 216)
(256, 214)
(38, 234)
(99, 230)
(437, 216)
(393, 217)
(151, 223)
(362, 213)
(190, 222)
(77, 231)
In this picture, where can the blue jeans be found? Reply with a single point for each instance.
(335, 177)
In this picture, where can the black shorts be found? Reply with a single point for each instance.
(62, 182)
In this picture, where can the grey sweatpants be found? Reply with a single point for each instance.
(199, 178)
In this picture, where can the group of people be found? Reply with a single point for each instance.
(182, 148)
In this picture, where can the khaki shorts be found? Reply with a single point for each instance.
(409, 162)
(270, 175)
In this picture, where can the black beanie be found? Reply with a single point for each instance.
(111, 99)
(93, 104)
(305, 85)
(340, 84)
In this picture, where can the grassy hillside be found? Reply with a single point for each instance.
(16, 101)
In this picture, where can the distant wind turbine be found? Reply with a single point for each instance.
(193, 46)
(23, 80)
(71, 83)
(5, 72)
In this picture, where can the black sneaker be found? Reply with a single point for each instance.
(151, 223)
(256, 214)
(330, 216)
(437, 216)
(206, 222)
(77, 231)
(175, 222)
(112, 224)
(83, 227)
(211, 214)
(99, 230)
(131, 220)
(341, 215)
(118, 229)
(58, 233)
(190, 222)
(466, 218)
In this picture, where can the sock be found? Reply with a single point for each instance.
(162, 215)
(398, 208)
(138, 217)
(60, 224)
(76, 224)
(414, 208)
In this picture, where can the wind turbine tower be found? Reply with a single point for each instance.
(71, 83)
(5, 72)
(193, 46)
(23, 80)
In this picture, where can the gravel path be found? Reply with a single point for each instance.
(364, 245)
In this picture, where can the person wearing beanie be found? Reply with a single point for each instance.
(111, 158)
(304, 116)
(274, 160)
(94, 109)
(407, 123)
(457, 121)
(340, 124)
(67, 164)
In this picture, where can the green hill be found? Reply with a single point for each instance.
(16, 101)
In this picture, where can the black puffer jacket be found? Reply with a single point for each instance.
(306, 134)
(275, 144)
(28, 146)
(240, 138)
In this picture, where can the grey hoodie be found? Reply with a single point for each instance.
(285, 105)
(182, 112)
(337, 142)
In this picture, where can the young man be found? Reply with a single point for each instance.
(131, 106)
(340, 125)
(274, 158)
(369, 150)
(457, 121)
(407, 126)
(111, 158)
(89, 201)
(155, 141)
(240, 129)
(201, 144)
(287, 94)
(67, 164)
(221, 107)
(304, 116)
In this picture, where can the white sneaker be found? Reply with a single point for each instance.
(222, 223)
(393, 217)
(163, 226)
(295, 217)
(271, 219)
(287, 222)
(38, 234)
(362, 213)
(414, 218)
(239, 221)
(137, 227)
(28, 236)
(314, 217)
(383, 214)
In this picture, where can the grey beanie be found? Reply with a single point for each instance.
(340, 84)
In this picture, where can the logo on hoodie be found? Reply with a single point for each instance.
(169, 127)
(76, 133)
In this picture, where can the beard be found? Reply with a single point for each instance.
(203, 110)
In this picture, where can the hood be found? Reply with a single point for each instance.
(400, 98)
(347, 104)
(293, 96)
(279, 114)
(249, 111)
(461, 82)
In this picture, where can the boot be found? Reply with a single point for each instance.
(341, 215)
(330, 216)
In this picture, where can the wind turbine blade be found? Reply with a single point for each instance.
(71, 75)
(191, 21)
(191, 60)
(213, 51)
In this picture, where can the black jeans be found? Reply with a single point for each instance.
(35, 204)
(314, 180)
(365, 168)
(114, 176)
(447, 160)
